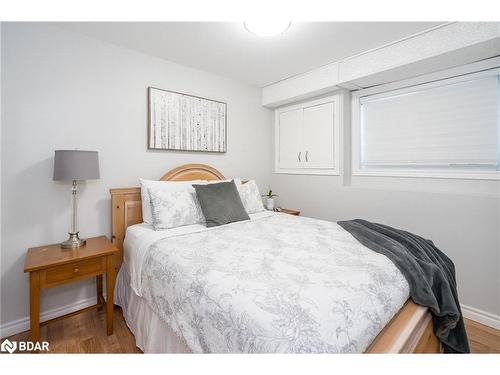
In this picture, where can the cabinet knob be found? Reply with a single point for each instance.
(300, 152)
(76, 270)
(307, 152)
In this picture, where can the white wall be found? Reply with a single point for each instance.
(462, 217)
(62, 90)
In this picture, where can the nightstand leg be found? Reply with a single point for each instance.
(110, 286)
(35, 306)
(100, 298)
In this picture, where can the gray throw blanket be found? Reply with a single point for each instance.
(429, 272)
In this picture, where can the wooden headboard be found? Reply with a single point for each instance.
(126, 205)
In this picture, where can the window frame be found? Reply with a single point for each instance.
(456, 75)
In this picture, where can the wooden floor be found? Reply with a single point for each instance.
(482, 339)
(86, 333)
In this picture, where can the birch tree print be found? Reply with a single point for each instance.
(184, 122)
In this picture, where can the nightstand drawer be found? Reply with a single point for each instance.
(73, 271)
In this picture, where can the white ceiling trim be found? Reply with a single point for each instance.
(363, 53)
(442, 47)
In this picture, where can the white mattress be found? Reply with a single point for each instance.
(235, 288)
(152, 335)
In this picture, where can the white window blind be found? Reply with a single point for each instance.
(432, 125)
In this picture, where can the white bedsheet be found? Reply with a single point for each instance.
(151, 333)
(275, 283)
(140, 237)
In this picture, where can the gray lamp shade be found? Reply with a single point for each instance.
(75, 165)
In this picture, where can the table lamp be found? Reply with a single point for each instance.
(75, 165)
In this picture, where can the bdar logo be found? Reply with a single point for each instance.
(8, 346)
(24, 346)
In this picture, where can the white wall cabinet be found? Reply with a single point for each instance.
(307, 137)
(291, 133)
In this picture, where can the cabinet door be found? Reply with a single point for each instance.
(318, 149)
(290, 139)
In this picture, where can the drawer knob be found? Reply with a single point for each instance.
(76, 270)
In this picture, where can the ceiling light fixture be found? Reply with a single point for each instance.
(267, 28)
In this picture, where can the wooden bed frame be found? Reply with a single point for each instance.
(409, 331)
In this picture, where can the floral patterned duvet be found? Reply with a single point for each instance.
(278, 284)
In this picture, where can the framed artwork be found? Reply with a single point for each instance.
(184, 122)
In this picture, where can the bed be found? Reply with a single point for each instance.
(305, 300)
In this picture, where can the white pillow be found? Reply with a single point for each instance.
(170, 186)
(172, 209)
(250, 196)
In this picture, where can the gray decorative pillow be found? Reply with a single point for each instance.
(220, 203)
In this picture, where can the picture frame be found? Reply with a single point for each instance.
(184, 122)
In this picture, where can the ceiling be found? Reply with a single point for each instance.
(227, 49)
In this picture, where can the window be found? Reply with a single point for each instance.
(445, 128)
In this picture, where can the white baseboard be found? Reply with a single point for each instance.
(483, 317)
(23, 324)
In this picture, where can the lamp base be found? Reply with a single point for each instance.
(73, 242)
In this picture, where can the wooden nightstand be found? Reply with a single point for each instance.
(52, 266)
(288, 211)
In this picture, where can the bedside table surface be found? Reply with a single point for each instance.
(289, 211)
(42, 257)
